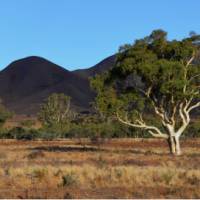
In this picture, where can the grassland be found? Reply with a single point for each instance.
(117, 168)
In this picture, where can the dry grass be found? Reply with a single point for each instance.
(120, 168)
(16, 121)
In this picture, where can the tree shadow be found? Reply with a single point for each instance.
(67, 149)
(96, 149)
(141, 152)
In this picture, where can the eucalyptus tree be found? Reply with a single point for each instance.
(56, 110)
(153, 75)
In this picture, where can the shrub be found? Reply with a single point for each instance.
(168, 176)
(101, 162)
(28, 123)
(4, 133)
(69, 179)
(68, 196)
(17, 133)
(39, 173)
(193, 131)
(35, 154)
(20, 133)
(55, 131)
(4, 114)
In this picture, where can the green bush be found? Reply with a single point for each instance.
(193, 130)
(111, 129)
(4, 114)
(93, 130)
(55, 131)
(20, 133)
(69, 179)
(28, 123)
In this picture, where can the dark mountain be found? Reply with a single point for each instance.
(102, 66)
(25, 83)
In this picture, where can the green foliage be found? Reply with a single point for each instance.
(69, 179)
(4, 114)
(28, 123)
(40, 173)
(56, 110)
(193, 131)
(152, 72)
(168, 176)
(106, 98)
(96, 131)
(54, 131)
(20, 133)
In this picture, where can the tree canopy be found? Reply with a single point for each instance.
(153, 74)
(56, 110)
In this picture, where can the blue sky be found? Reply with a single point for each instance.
(80, 33)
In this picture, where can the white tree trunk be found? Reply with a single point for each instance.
(174, 145)
(177, 145)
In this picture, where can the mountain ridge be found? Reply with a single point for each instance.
(27, 82)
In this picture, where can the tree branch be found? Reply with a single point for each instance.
(193, 77)
(186, 70)
(190, 61)
(182, 114)
(140, 124)
(193, 107)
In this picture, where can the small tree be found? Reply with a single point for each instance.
(157, 76)
(56, 110)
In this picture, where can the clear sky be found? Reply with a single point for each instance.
(80, 33)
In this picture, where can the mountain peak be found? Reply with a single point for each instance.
(25, 83)
(33, 58)
(31, 61)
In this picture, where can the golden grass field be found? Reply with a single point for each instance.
(117, 168)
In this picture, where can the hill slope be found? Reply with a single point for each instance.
(25, 83)
(102, 66)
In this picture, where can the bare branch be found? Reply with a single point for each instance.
(158, 135)
(186, 114)
(172, 118)
(190, 61)
(182, 114)
(66, 111)
(193, 107)
(184, 124)
(159, 111)
(193, 77)
(186, 69)
(146, 93)
(139, 124)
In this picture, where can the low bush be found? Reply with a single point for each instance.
(35, 154)
(20, 133)
(39, 173)
(69, 179)
(28, 123)
(193, 130)
(94, 131)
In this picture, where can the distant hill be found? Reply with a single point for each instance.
(102, 66)
(25, 83)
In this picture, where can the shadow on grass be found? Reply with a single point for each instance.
(67, 149)
(112, 150)
(96, 149)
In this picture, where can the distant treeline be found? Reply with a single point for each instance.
(85, 126)
(59, 121)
